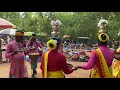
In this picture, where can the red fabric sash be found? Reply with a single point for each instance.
(98, 64)
(43, 65)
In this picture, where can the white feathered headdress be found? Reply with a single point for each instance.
(55, 23)
(102, 21)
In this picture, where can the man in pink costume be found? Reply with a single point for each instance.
(17, 68)
(60, 50)
(33, 45)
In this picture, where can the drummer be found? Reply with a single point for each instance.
(17, 68)
(53, 63)
(33, 44)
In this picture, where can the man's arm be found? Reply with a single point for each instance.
(8, 53)
(40, 45)
(117, 56)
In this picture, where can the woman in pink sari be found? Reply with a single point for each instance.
(100, 59)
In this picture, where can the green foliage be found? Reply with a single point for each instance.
(83, 24)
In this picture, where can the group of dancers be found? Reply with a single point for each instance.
(53, 62)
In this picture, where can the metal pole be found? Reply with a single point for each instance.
(0, 51)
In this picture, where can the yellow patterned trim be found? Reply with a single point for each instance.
(55, 74)
(107, 72)
(116, 69)
(45, 64)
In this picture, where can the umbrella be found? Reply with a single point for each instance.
(28, 33)
(8, 31)
(1, 35)
(42, 34)
(6, 24)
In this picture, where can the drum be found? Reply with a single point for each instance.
(34, 56)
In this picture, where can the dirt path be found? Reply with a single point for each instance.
(4, 71)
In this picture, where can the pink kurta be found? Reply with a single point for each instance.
(35, 44)
(107, 53)
(18, 68)
(60, 50)
(11, 40)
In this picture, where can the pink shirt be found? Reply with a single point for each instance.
(60, 50)
(35, 44)
(107, 53)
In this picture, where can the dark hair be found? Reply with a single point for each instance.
(34, 34)
(103, 36)
(20, 31)
(102, 43)
(58, 40)
(51, 45)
